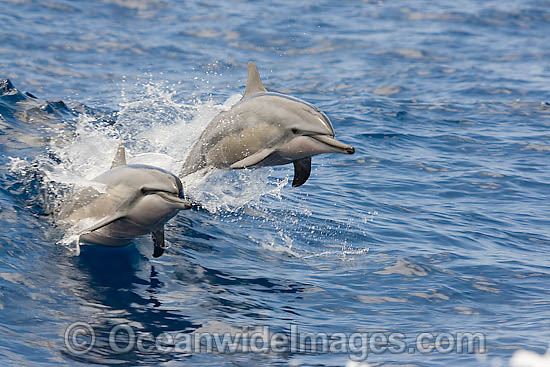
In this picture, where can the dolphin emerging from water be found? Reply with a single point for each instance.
(265, 129)
(137, 200)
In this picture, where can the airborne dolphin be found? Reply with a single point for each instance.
(265, 129)
(137, 200)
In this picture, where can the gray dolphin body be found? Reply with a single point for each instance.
(265, 129)
(138, 200)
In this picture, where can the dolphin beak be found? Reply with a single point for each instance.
(174, 200)
(334, 145)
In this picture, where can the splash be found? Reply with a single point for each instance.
(340, 252)
(319, 239)
(231, 191)
(158, 128)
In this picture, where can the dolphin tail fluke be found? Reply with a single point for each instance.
(253, 83)
(158, 240)
(120, 157)
(302, 170)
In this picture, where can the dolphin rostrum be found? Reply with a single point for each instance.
(265, 129)
(137, 200)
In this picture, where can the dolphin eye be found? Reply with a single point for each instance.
(294, 130)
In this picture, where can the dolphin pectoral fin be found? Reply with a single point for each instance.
(158, 240)
(253, 159)
(120, 157)
(253, 83)
(102, 223)
(302, 170)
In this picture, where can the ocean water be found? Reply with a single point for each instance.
(435, 229)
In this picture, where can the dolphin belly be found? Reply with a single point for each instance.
(105, 240)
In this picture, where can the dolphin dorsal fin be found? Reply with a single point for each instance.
(120, 157)
(253, 83)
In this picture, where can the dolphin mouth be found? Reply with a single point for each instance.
(335, 145)
(174, 200)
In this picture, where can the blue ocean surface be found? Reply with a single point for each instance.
(427, 247)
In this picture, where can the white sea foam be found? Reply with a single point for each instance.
(527, 358)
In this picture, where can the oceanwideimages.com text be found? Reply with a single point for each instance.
(80, 338)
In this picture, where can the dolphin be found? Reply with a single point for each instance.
(265, 129)
(138, 199)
